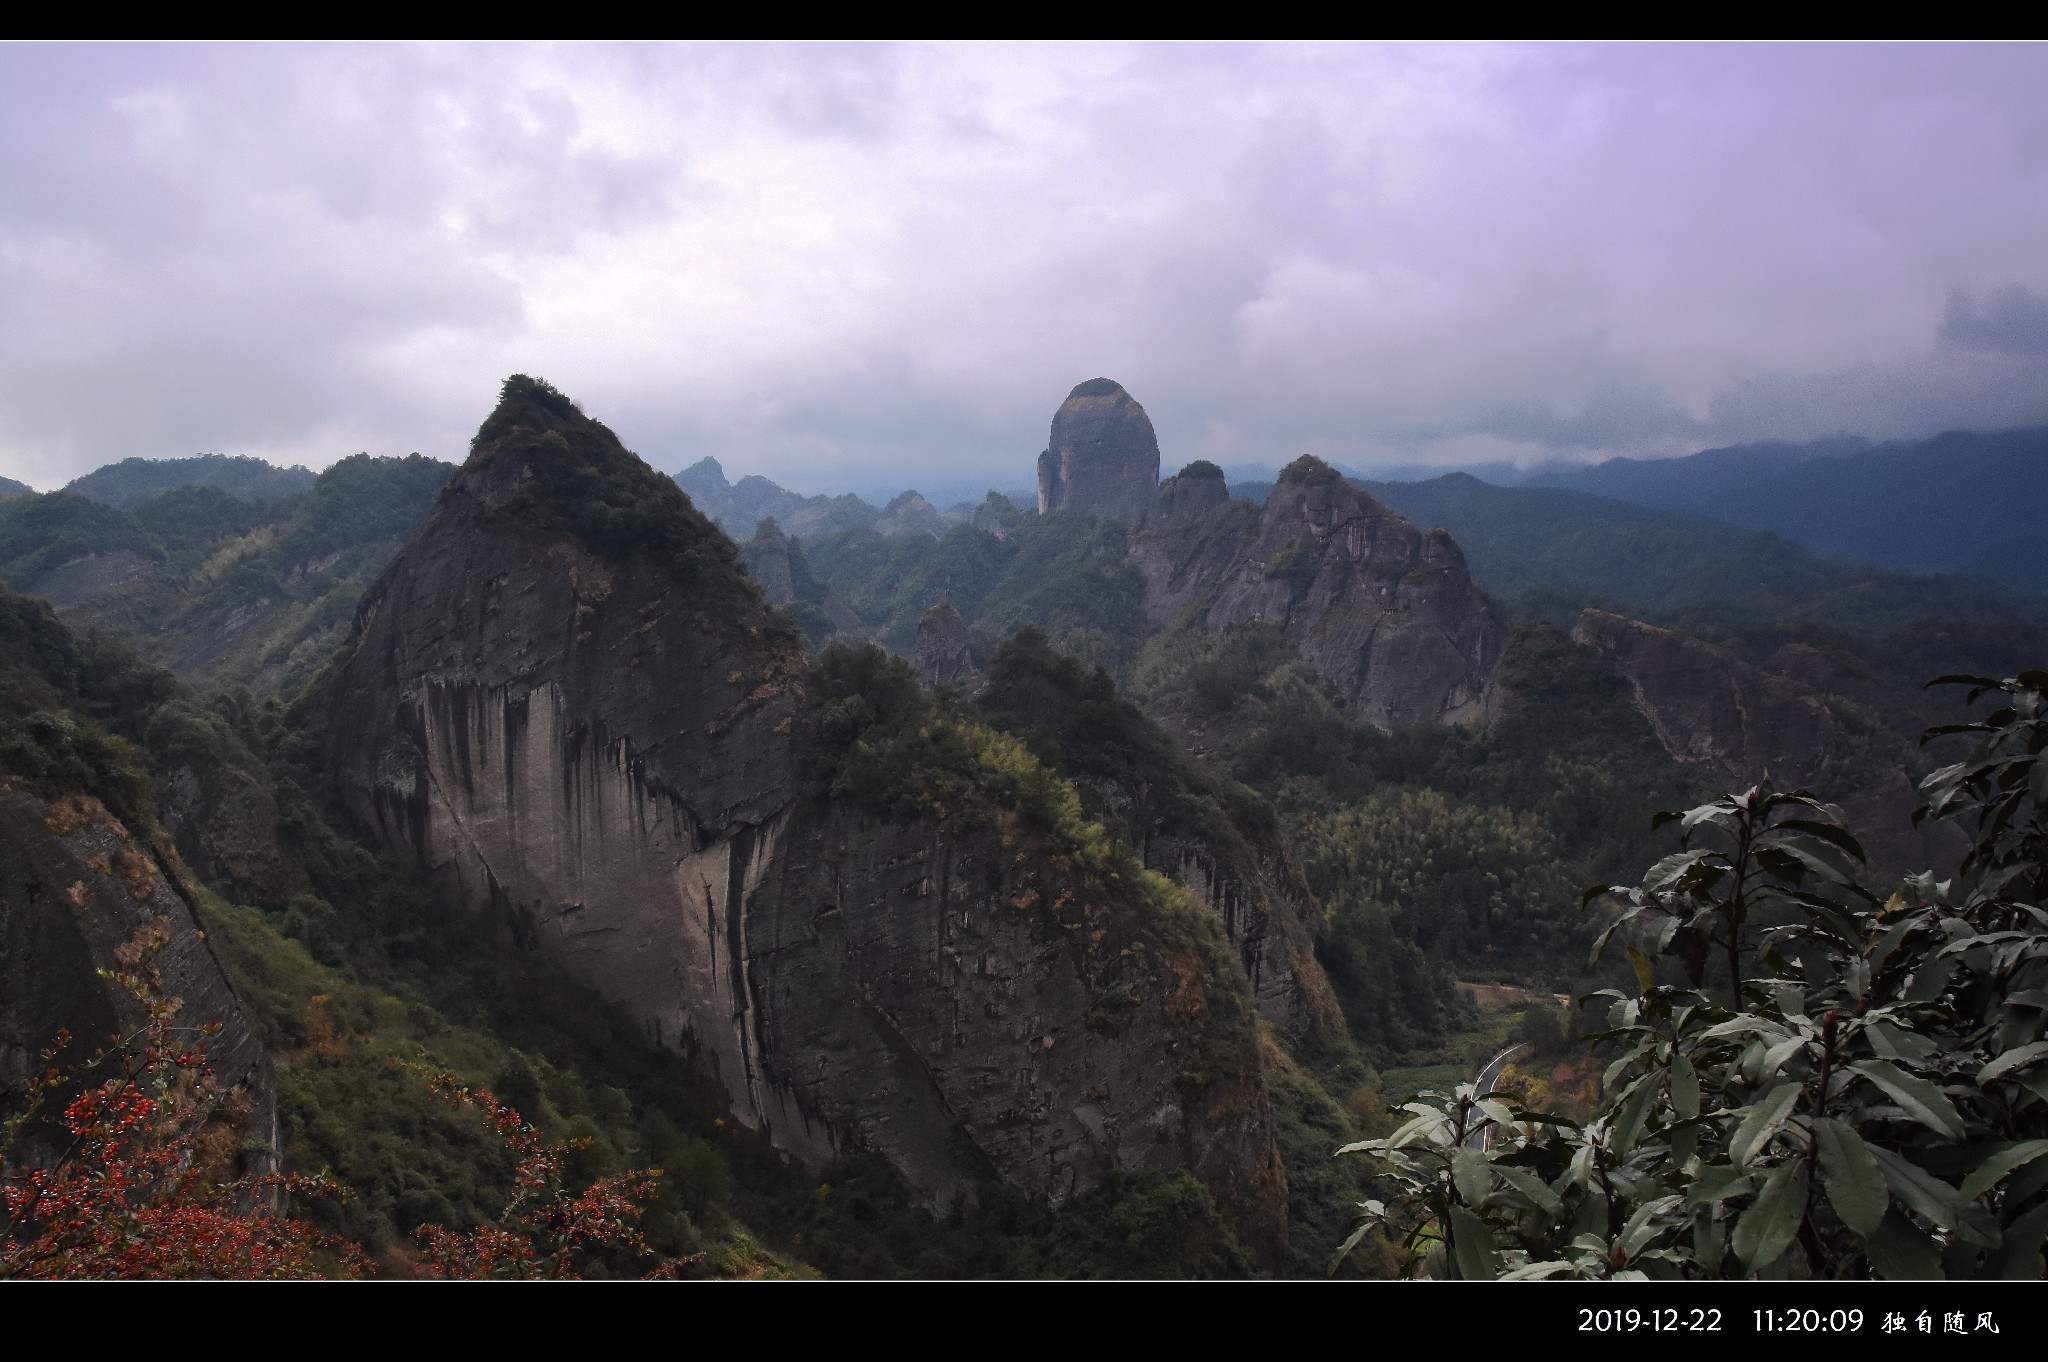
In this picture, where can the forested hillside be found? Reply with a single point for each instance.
(225, 589)
(1915, 505)
(1319, 779)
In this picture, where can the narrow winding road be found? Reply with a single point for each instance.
(1489, 1076)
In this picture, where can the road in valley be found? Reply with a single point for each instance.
(1489, 1076)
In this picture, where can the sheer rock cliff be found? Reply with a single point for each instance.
(566, 698)
(1102, 458)
(1385, 613)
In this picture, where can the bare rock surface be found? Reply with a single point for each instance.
(1103, 457)
(1384, 612)
(942, 657)
(1804, 720)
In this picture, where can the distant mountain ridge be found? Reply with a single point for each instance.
(1972, 502)
(131, 482)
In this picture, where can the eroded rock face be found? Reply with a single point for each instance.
(1384, 612)
(75, 886)
(1807, 722)
(1707, 706)
(602, 749)
(777, 565)
(1193, 494)
(943, 657)
(1103, 458)
(1187, 822)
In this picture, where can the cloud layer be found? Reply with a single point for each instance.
(850, 266)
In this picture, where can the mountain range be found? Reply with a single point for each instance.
(1009, 872)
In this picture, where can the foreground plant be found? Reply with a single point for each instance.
(545, 1229)
(138, 1188)
(1869, 1095)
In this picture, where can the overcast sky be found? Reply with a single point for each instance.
(851, 266)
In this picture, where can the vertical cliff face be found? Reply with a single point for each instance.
(1103, 458)
(1194, 494)
(75, 886)
(1385, 613)
(566, 697)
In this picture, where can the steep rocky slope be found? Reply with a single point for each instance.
(84, 888)
(1102, 458)
(1187, 822)
(566, 698)
(1386, 614)
(1803, 720)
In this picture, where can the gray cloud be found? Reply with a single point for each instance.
(852, 265)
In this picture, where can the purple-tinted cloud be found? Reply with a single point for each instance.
(843, 266)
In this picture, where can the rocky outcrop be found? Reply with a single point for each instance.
(1191, 495)
(1806, 721)
(76, 886)
(943, 657)
(777, 564)
(587, 721)
(1103, 458)
(1707, 706)
(910, 513)
(1189, 823)
(997, 515)
(1385, 613)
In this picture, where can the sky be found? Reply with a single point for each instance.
(851, 266)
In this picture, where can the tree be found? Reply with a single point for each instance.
(139, 1187)
(141, 1184)
(1869, 1095)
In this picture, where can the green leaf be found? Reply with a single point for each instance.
(1766, 1229)
(1827, 832)
(1536, 1272)
(1685, 1088)
(1628, 1126)
(1470, 1175)
(1472, 1245)
(1718, 1182)
(1529, 1185)
(1917, 1097)
(1900, 1253)
(1762, 1120)
(1993, 1169)
(2019, 1255)
(1850, 1176)
(1775, 1057)
(1918, 1189)
(2010, 1060)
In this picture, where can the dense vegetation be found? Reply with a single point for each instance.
(1436, 855)
(133, 482)
(225, 589)
(1864, 1094)
(1914, 505)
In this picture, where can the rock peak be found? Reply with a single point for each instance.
(1102, 458)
